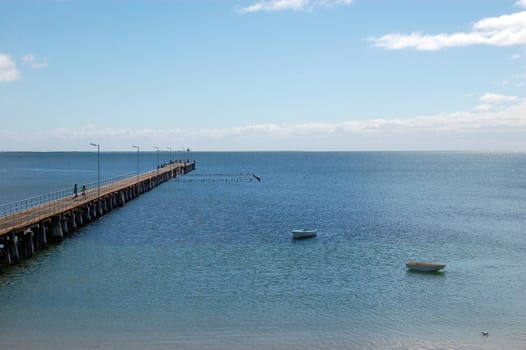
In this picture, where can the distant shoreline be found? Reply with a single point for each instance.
(288, 151)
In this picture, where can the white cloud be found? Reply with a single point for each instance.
(483, 107)
(31, 61)
(8, 70)
(274, 5)
(296, 5)
(493, 98)
(485, 128)
(506, 30)
(521, 3)
(515, 57)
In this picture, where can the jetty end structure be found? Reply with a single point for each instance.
(27, 226)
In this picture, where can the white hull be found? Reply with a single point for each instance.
(424, 267)
(298, 234)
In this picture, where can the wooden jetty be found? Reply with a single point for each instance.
(25, 232)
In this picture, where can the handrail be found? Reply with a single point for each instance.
(21, 214)
(31, 202)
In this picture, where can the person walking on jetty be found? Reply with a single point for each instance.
(83, 190)
(75, 194)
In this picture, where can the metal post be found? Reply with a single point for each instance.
(170, 148)
(137, 162)
(157, 148)
(98, 166)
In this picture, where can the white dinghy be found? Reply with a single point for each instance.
(424, 266)
(304, 233)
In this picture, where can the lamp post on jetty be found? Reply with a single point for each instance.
(98, 166)
(157, 148)
(170, 148)
(137, 162)
(187, 150)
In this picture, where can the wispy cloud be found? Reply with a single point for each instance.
(521, 3)
(506, 30)
(295, 5)
(494, 98)
(491, 100)
(8, 70)
(483, 107)
(498, 128)
(31, 61)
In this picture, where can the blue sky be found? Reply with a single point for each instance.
(263, 74)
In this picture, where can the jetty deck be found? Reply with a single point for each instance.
(24, 232)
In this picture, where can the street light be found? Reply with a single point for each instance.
(98, 165)
(137, 162)
(186, 149)
(170, 148)
(157, 148)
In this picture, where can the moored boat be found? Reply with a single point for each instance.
(304, 233)
(424, 266)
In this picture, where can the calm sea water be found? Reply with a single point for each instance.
(208, 262)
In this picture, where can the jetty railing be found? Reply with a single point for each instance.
(39, 207)
(35, 201)
(27, 225)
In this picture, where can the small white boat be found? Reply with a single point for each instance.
(423, 266)
(304, 233)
